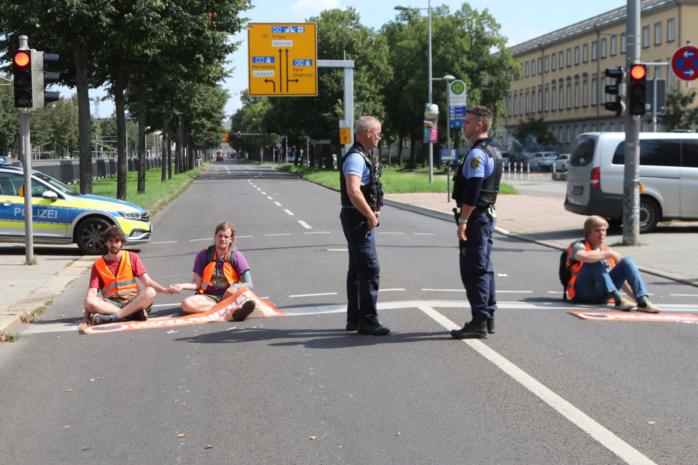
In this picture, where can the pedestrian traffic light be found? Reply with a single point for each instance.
(617, 89)
(239, 135)
(637, 87)
(22, 73)
(40, 78)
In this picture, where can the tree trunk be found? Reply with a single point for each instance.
(413, 153)
(165, 146)
(141, 131)
(122, 162)
(84, 119)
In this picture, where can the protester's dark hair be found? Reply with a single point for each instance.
(483, 114)
(114, 232)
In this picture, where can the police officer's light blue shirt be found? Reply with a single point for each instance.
(478, 165)
(356, 165)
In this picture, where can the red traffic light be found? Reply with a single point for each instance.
(638, 72)
(22, 59)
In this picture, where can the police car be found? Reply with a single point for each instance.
(62, 215)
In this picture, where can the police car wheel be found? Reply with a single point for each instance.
(89, 236)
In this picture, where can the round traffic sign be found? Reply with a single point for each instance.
(458, 87)
(684, 63)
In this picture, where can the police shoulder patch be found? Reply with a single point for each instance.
(475, 163)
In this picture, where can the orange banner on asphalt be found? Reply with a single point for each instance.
(613, 316)
(223, 311)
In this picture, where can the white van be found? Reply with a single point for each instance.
(668, 174)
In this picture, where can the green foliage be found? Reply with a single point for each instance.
(680, 112)
(534, 135)
(9, 118)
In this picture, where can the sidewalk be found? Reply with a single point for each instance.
(537, 219)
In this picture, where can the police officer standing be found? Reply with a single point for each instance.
(361, 196)
(475, 189)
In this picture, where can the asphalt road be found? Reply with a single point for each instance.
(547, 388)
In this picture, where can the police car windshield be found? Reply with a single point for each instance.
(56, 184)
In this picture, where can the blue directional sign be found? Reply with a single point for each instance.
(302, 62)
(262, 60)
(457, 111)
(288, 29)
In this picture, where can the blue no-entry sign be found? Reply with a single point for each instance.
(684, 63)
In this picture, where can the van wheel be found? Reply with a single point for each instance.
(650, 214)
(89, 236)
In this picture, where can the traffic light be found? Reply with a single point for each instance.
(637, 87)
(22, 72)
(239, 135)
(617, 89)
(40, 78)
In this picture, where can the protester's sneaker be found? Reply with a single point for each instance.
(99, 319)
(648, 307)
(244, 311)
(625, 305)
(140, 315)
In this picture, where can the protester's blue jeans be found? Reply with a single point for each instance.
(594, 283)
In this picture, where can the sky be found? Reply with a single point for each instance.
(519, 21)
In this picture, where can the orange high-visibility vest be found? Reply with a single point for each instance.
(575, 267)
(228, 270)
(122, 285)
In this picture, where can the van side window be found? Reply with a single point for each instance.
(689, 153)
(653, 152)
(583, 152)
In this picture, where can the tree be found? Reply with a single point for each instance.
(534, 135)
(9, 119)
(680, 112)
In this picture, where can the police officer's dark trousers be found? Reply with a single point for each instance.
(476, 270)
(363, 277)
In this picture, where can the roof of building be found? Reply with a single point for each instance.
(605, 19)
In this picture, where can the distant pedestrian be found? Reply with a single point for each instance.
(599, 273)
(115, 276)
(475, 189)
(362, 196)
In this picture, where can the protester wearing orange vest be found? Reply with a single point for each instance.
(598, 273)
(219, 272)
(115, 276)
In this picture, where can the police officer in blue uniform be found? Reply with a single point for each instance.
(361, 196)
(475, 189)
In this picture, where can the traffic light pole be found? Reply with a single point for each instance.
(26, 157)
(631, 181)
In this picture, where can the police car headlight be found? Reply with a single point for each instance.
(135, 216)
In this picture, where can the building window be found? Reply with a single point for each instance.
(561, 59)
(594, 91)
(585, 93)
(540, 99)
(526, 67)
(612, 127)
(569, 95)
(561, 95)
(547, 63)
(623, 43)
(576, 94)
(658, 34)
(614, 46)
(547, 97)
(670, 31)
(585, 53)
(552, 102)
(603, 47)
(602, 89)
(569, 134)
(645, 37)
(526, 107)
(569, 57)
(533, 101)
(594, 50)
(515, 104)
(509, 105)
(540, 65)
(553, 58)
(576, 55)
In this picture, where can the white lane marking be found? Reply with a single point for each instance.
(444, 290)
(270, 197)
(338, 250)
(391, 233)
(317, 232)
(684, 295)
(597, 431)
(263, 193)
(274, 235)
(391, 290)
(277, 204)
(312, 295)
(304, 224)
(164, 242)
(289, 212)
(424, 234)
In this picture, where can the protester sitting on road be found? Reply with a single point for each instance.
(598, 273)
(115, 276)
(219, 272)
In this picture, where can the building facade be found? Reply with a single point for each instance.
(562, 77)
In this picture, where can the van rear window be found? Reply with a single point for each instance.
(653, 152)
(583, 152)
(689, 157)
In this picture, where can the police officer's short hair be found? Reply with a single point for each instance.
(226, 225)
(594, 222)
(113, 232)
(483, 114)
(365, 123)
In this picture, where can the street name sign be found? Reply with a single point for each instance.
(282, 60)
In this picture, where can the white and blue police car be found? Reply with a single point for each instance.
(62, 215)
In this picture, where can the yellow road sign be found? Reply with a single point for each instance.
(344, 136)
(282, 59)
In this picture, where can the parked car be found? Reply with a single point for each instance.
(562, 163)
(5, 160)
(542, 161)
(668, 175)
(62, 215)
